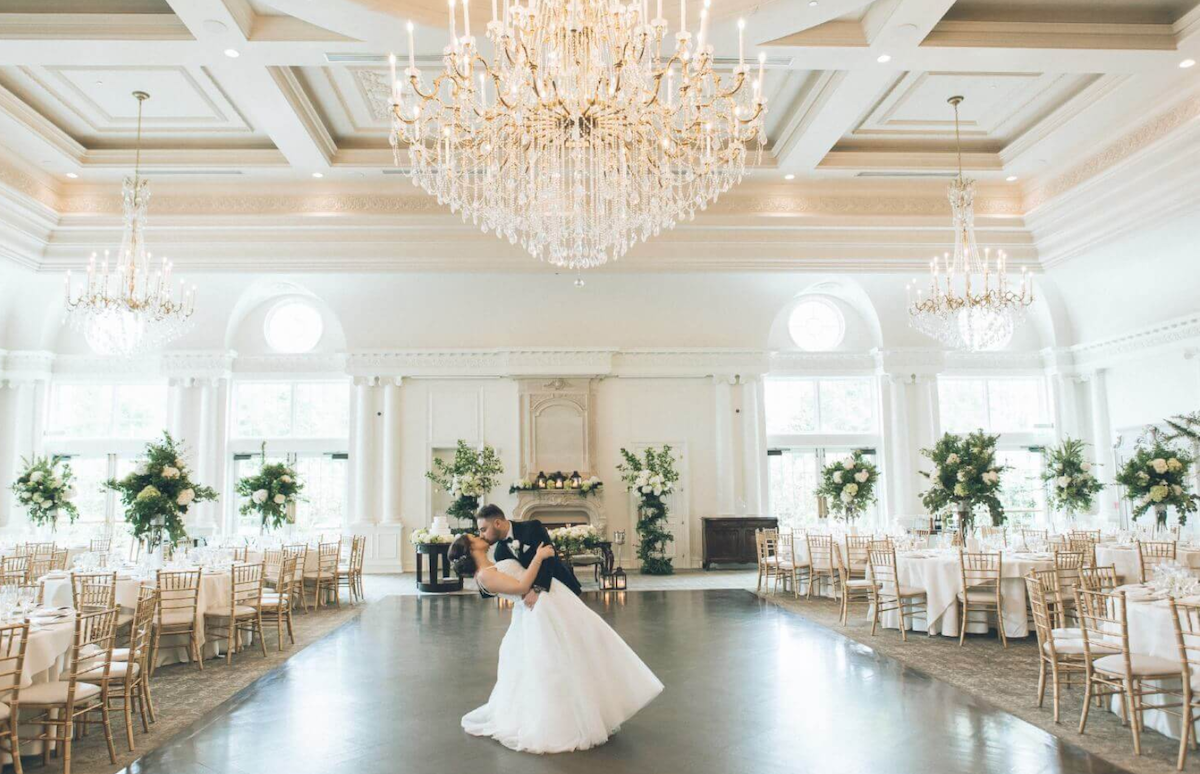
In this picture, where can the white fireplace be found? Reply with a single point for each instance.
(561, 509)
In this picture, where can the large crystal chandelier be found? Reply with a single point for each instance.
(970, 303)
(126, 305)
(587, 130)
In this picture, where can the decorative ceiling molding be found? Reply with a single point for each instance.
(1179, 334)
(92, 26)
(20, 367)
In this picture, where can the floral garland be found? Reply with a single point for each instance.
(159, 492)
(270, 492)
(849, 486)
(472, 474)
(965, 474)
(45, 491)
(587, 486)
(1157, 477)
(575, 539)
(651, 477)
(1070, 484)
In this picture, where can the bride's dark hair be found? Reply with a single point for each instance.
(460, 557)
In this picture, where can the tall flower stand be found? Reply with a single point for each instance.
(438, 554)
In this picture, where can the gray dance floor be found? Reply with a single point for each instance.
(749, 688)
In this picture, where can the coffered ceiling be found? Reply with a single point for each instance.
(264, 95)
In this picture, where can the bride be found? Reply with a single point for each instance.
(566, 681)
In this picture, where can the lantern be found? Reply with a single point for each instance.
(614, 581)
(576, 480)
(540, 483)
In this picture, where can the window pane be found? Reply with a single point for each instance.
(141, 410)
(91, 498)
(325, 487)
(80, 410)
(1016, 405)
(792, 486)
(1021, 489)
(963, 405)
(847, 406)
(791, 406)
(322, 410)
(263, 410)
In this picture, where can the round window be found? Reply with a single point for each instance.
(816, 325)
(293, 327)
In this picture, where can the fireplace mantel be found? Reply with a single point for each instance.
(554, 503)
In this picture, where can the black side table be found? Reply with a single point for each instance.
(437, 553)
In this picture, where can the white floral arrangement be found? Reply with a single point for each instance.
(423, 536)
(1071, 485)
(573, 539)
(1158, 477)
(159, 492)
(849, 485)
(45, 490)
(271, 493)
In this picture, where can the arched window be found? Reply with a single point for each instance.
(293, 327)
(816, 325)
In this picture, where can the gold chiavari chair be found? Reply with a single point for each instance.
(765, 543)
(93, 591)
(791, 568)
(324, 577)
(100, 545)
(38, 568)
(1069, 565)
(854, 566)
(14, 570)
(889, 595)
(178, 599)
(922, 535)
(1034, 536)
(1083, 546)
(1099, 578)
(13, 639)
(272, 560)
(1053, 599)
(277, 606)
(66, 706)
(245, 611)
(241, 554)
(349, 573)
(981, 593)
(1186, 617)
(1057, 543)
(1151, 553)
(1090, 535)
(1132, 676)
(58, 560)
(126, 682)
(39, 549)
(992, 533)
(823, 564)
(956, 539)
(1060, 655)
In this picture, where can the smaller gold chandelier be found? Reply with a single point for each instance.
(125, 306)
(970, 303)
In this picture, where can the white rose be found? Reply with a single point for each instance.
(37, 497)
(851, 488)
(847, 496)
(170, 472)
(56, 483)
(862, 476)
(1087, 466)
(848, 464)
(837, 477)
(280, 499)
(70, 494)
(141, 469)
(286, 479)
(952, 459)
(593, 480)
(185, 497)
(1177, 489)
(1063, 482)
(36, 476)
(1159, 465)
(1174, 464)
(647, 489)
(259, 496)
(658, 490)
(962, 475)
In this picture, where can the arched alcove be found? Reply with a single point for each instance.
(246, 331)
(840, 296)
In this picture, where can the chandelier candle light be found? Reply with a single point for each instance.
(970, 303)
(126, 305)
(588, 130)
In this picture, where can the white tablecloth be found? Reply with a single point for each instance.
(1125, 559)
(938, 574)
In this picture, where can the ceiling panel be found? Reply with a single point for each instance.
(1076, 11)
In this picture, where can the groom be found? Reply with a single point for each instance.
(519, 540)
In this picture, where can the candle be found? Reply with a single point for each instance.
(467, 19)
(741, 42)
(412, 56)
(392, 69)
(762, 61)
(495, 13)
(683, 15)
(659, 16)
(453, 28)
(703, 27)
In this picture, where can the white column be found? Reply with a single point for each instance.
(8, 450)
(390, 429)
(27, 407)
(363, 456)
(754, 447)
(723, 438)
(1068, 422)
(1103, 440)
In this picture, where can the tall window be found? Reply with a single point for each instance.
(812, 423)
(305, 423)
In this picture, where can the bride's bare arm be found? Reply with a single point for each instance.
(499, 583)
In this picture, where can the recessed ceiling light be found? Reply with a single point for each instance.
(72, 175)
(884, 58)
(789, 177)
(1011, 178)
(232, 53)
(317, 174)
(812, 3)
(1185, 64)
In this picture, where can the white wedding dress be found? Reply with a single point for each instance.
(566, 681)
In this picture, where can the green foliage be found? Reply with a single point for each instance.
(45, 491)
(1184, 427)
(651, 476)
(472, 474)
(269, 492)
(965, 473)
(849, 486)
(1157, 475)
(1068, 477)
(159, 487)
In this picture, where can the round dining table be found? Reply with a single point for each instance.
(1124, 557)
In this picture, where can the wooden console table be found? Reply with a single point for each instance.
(437, 553)
(730, 539)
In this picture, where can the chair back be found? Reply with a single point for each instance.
(59, 560)
(992, 533)
(92, 649)
(1099, 578)
(327, 558)
(1151, 553)
(883, 568)
(39, 549)
(1038, 585)
(100, 545)
(178, 594)
(93, 592)
(857, 553)
(241, 554)
(981, 570)
(14, 570)
(1083, 546)
(1090, 535)
(285, 581)
(1102, 619)
(1186, 617)
(142, 634)
(40, 567)
(247, 584)
(272, 559)
(782, 545)
(358, 552)
(1036, 536)
(1069, 564)
(13, 639)
(822, 553)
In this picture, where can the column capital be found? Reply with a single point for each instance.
(366, 381)
(724, 379)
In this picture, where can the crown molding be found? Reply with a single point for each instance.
(92, 26)
(25, 366)
(1181, 334)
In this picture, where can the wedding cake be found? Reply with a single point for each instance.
(440, 527)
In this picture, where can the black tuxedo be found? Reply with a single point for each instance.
(530, 535)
